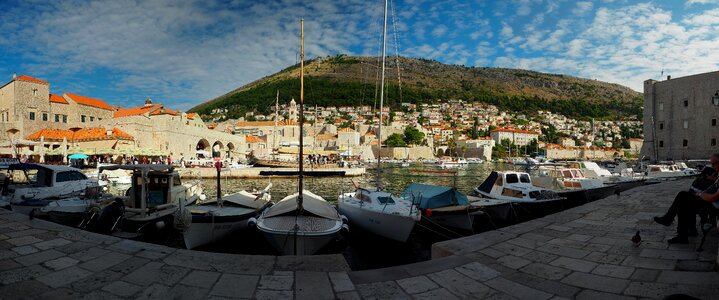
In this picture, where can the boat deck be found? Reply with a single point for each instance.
(305, 223)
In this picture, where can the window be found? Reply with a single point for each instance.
(686, 124)
(64, 176)
(44, 117)
(686, 103)
(661, 126)
(714, 122)
(685, 143)
(82, 118)
(714, 142)
(64, 118)
(99, 119)
(661, 144)
(661, 105)
(92, 119)
(57, 118)
(34, 92)
(524, 178)
(32, 115)
(512, 178)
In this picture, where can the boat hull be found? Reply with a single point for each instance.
(393, 227)
(300, 244)
(582, 196)
(202, 233)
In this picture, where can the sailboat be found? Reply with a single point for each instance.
(301, 223)
(372, 209)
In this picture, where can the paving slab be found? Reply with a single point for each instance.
(235, 286)
(312, 285)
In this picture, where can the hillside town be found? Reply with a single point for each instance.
(471, 129)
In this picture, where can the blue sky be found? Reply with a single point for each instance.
(184, 52)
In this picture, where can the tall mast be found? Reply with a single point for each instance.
(277, 109)
(302, 116)
(381, 95)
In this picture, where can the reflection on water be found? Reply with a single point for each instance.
(394, 179)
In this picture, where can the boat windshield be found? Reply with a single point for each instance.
(512, 193)
(385, 200)
(512, 178)
(33, 177)
(524, 178)
(577, 174)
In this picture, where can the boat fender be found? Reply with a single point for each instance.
(344, 219)
(203, 197)
(345, 229)
(159, 225)
(428, 212)
(252, 222)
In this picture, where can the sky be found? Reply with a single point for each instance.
(182, 53)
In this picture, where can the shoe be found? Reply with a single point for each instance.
(663, 221)
(678, 240)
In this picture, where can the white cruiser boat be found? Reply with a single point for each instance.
(572, 184)
(626, 179)
(664, 172)
(216, 219)
(380, 213)
(32, 186)
(295, 232)
(458, 162)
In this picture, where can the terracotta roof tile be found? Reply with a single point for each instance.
(89, 101)
(253, 139)
(58, 99)
(126, 112)
(31, 79)
(191, 115)
(163, 111)
(97, 133)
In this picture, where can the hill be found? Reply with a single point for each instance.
(344, 80)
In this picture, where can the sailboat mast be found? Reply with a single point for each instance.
(302, 116)
(381, 94)
(277, 109)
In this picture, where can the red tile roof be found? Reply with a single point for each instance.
(30, 79)
(163, 111)
(514, 131)
(253, 139)
(191, 115)
(97, 133)
(89, 101)
(126, 112)
(58, 99)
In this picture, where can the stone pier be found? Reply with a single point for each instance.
(582, 253)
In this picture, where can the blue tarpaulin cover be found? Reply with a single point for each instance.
(434, 196)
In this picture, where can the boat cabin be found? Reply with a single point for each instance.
(159, 187)
(35, 181)
(369, 196)
(590, 169)
(567, 178)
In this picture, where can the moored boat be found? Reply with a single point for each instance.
(443, 206)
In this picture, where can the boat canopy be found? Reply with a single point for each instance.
(488, 183)
(140, 167)
(433, 196)
(310, 202)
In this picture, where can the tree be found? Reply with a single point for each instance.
(412, 136)
(395, 140)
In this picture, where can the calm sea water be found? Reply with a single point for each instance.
(395, 179)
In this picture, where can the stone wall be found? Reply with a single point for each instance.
(413, 153)
(583, 153)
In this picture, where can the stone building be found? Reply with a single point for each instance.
(680, 117)
(516, 136)
(29, 112)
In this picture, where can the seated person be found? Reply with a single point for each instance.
(688, 203)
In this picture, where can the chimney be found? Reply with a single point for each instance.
(14, 75)
(148, 102)
(669, 77)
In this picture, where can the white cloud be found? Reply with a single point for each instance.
(506, 32)
(582, 7)
(439, 31)
(690, 2)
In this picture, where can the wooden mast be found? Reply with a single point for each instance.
(302, 117)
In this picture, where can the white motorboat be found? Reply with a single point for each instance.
(664, 172)
(32, 186)
(215, 220)
(380, 212)
(624, 180)
(300, 230)
(571, 183)
(458, 162)
(514, 187)
(474, 160)
(301, 223)
(156, 199)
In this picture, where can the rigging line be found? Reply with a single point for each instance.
(396, 48)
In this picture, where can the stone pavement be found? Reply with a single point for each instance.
(583, 253)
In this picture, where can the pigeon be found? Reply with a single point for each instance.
(637, 239)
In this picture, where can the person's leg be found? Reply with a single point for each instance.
(668, 218)
(686, 225)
